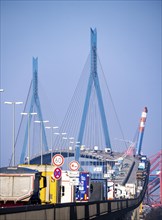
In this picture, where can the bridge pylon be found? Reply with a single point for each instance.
(34, 106)
(93, 81)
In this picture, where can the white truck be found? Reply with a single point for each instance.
(125, 192)
(120, 192)
(131, 189)
(141, 166)
(68, 182)
(110, 190)
(143, 158)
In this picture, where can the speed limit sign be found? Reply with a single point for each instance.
(58, 160)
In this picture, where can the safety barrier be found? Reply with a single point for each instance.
(68, 211)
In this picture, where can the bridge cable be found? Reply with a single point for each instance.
(112, 103)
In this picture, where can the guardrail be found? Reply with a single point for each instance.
(75, 211)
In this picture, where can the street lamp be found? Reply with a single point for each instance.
(58, 134)
(29, 114)
(77, 150)
(71, 141)
(13, 144)
(52, 128)
(64, 137)
(1, 90)
(41, 133)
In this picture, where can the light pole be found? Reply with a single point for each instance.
(29, 114)
(71, 141)
(13, 143)
(52, 128)
(63, 137)
(77, 146)
(58, 134)
(1, 90)
(41, 134)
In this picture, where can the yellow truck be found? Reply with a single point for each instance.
(51, 193)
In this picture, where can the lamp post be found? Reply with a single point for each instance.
(29, 114)
(71, 141)
(52, 128)
(63, 137)
(1, 90)
(58, 134)
(41, 134)
(77, 147)
(13, 142)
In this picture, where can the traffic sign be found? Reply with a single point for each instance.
(73, 174)
(57, 173)
(74, 181)
(58, 160)
(74, 165)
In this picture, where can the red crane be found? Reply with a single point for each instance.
(154, 191)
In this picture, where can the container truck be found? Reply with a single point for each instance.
(98, 190)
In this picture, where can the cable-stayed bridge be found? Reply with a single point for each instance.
(86, 119)
(84, 136)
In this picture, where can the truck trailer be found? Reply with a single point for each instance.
(19, 186)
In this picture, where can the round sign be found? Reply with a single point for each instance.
(58, 160)
(74, 165)
(57, 173)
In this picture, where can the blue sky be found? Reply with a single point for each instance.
(58, 33)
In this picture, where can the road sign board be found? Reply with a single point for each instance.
(57, 173)
(58, 160)
(74, 165)
(73, 174)
(74, 181)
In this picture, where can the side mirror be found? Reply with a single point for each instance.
(44, 182)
